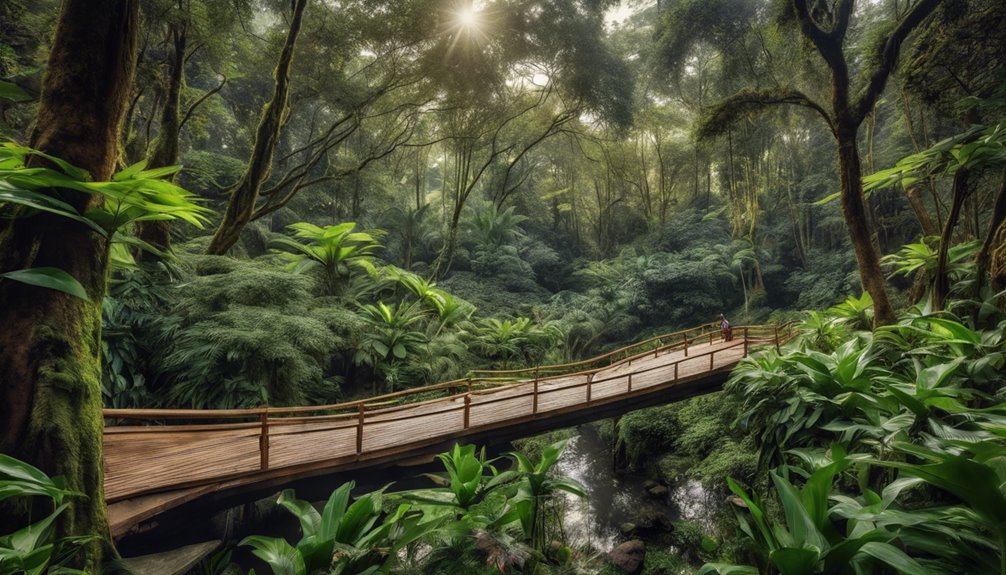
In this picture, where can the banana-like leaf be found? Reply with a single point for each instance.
(48, 277)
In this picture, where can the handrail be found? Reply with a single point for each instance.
(603, 356)
(378, 411)
(369, 403)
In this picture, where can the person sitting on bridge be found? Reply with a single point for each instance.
(726, 331)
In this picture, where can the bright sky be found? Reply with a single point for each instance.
(624, 9)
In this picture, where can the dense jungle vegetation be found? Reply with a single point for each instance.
(232, 203)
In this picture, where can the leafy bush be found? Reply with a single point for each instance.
(244, 335)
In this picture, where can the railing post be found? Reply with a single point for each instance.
(468, 407)
(745, 341)
(469, 385)
(630, 382)
(711, 356)
(590, 381)
(711, 334)
(534, 397)
(777, 339)
(686, 344)
(359, 429)
(263, 440)
(675, 371)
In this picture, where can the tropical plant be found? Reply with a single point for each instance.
(922, 256)
(35, 549)
(337, 250)
(470, 478)
(490, 228)
(413, 228)
(855, 312)
(503, 342)
(539, 486)
(133, 195)
(345, 538)
(390, 336)
(812, 539)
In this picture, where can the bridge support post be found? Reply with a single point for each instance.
(675, 371)
(590, 381)
(359, 429)
(468, 408)
(711, 356)
(263, 439)
(630, 383)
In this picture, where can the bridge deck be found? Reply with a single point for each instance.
(179, 462)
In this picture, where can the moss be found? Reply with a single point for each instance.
(66, 425)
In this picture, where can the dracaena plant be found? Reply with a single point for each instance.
(469, 478)
(337, 250)
(345, 538)
(35, 548)
(134, 194)
(811, 538)
(539, 485)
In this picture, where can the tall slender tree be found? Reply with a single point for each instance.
(244, 194)
(826, 25)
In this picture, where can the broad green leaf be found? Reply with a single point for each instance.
(894, 557)
(280, 555)
(790, 561)
(48, 277)
(13, 92)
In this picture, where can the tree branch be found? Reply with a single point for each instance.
(888, 56)
(197, 103)
(728, 112)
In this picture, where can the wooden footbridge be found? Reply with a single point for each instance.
(156, 460)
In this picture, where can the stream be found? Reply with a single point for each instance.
(617, 499)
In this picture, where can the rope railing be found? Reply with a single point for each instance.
(464, 396)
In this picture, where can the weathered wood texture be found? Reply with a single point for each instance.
(228, 447)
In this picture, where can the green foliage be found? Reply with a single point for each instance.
(909, 398)
(978, 148)
(244, 335)
(132, 317)
(133, 195)
(810, 541)
(345, 538)
(337, 250)
(503, 342)
(35, 549)
(390, 337)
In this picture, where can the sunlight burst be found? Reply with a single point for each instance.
(468, 18)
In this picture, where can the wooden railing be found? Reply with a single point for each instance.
(388, 422)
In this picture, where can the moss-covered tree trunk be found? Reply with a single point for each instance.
(241, 205)
(157, 233)
(50, 342)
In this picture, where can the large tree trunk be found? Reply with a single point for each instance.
(854, 210)
(157, 233)
(241, 206)
(50, 342)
